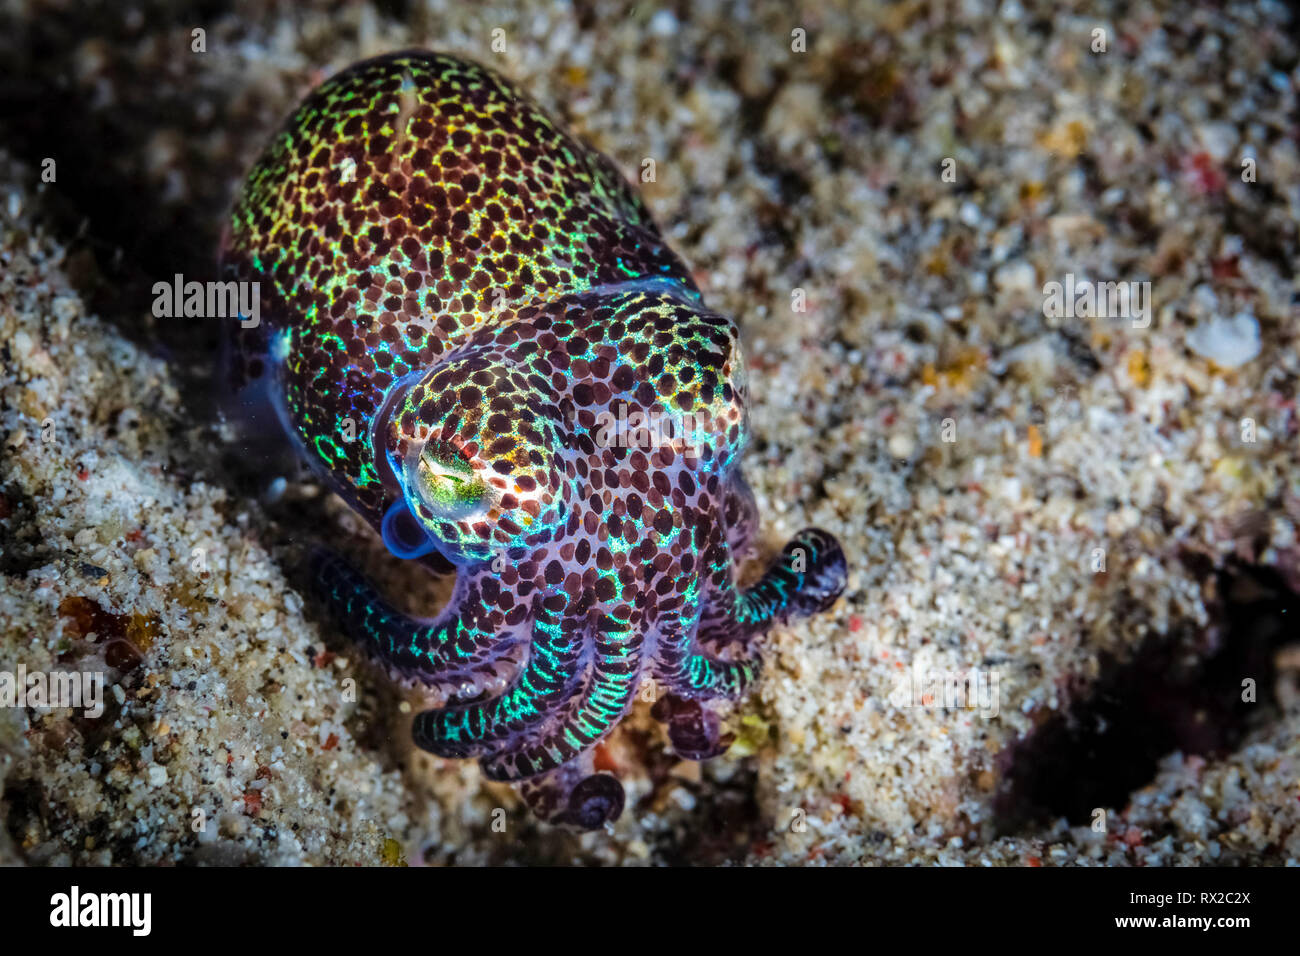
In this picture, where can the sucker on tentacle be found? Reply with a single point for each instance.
(479, 339)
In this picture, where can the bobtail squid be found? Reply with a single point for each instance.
(478, 337)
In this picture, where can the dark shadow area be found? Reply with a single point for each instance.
(145, 154)
(1181, 693)
(149, 139)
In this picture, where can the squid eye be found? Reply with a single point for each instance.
(448, 484)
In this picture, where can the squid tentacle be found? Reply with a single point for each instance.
(452, 647)
(804, 579)
(543, 686)
(606, 696)
(574, 795)
(739, 514)
(692, 672)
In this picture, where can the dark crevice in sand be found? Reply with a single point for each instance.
(1181, 693)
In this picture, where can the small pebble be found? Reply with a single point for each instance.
(1228, 342)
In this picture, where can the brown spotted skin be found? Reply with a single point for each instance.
(407, 199)
(479, 338)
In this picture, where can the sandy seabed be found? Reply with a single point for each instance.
(1099, 513)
